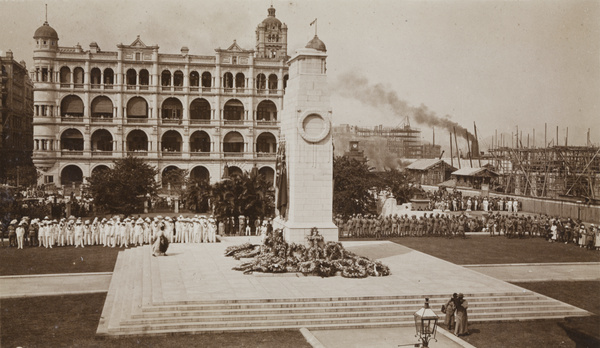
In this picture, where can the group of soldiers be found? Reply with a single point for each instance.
(110, 232)
(451, 225)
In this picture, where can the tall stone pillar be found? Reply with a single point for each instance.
(306, 126)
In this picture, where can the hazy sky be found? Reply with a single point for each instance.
(501, 64)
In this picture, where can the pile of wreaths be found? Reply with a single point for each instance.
(321, 259)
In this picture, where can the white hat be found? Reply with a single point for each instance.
(13, 222)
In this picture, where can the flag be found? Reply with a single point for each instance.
(313, 22)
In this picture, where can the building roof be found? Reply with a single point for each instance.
(45, 32)
(316, 44)
(424, 164)
(474, 172)
(271, 20)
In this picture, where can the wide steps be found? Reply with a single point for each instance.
(135, 305)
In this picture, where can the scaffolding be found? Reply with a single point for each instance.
(554, 172)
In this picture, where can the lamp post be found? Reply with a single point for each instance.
(426, 324)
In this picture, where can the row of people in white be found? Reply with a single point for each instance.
(123, 233)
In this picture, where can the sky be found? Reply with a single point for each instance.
(500, 64)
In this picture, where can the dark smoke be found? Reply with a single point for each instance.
(381, 97)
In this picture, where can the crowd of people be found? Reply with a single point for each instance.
(454, 200)
(442, 224)
(112, 232)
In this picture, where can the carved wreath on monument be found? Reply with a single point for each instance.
(313, 127)
(319, 258)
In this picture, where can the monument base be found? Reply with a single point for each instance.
(297, 232)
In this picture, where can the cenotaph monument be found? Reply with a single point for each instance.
(306, 130)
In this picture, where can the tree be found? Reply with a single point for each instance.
(249, 194)
(397, 183)
(353, 184)
(198, 194)
(124, 188)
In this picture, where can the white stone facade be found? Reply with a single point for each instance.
(189, 111)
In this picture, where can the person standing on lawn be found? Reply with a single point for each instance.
(20, 232)
(462, 322)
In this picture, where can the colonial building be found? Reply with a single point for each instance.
(199, 113)
(16, 109)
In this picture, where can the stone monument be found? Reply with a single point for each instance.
(306, 128)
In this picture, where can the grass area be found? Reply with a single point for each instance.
(36, 260)
(498, 250)
(581, 294)
(71, 321)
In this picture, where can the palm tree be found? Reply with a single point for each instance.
(198, 195)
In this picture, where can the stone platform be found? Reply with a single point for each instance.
(194, 289)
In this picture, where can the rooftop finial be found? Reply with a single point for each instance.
(46, 13)
(315, 23)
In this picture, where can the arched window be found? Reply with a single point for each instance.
(272, 83)
(261, 82)
(137, 107)
(131, 77)
(102, 140)
(266, 111)
(200, 142)
(171, 141)
(200, 173)
(240, 81)
(71, 106)
(78, 77)
(200, 109)
(71, 175)
(171, 177)
(266, 144)
(109, 77)
(178, 79)
(233, 110)
(233, 142)
(235, 171)
(99, 168)
(228, 80)
(165, 78)
(137, 141)
(65, 75)
(71, 140)
(102, 107)
(268, 173)
(206, 80)
(144, 77)
(172, 109)
(194, 79)
(96, 76)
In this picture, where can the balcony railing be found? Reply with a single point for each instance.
(206, 89)
(71, 119)
(199, 121)
(95, 86)
(137, 120)
(143, 87)
(66, 152)
(266, 154)
(99, 153)
(266, 123)
(131, 87)
(200, 154)
(108, 86)
(171, 121)
(102, 119)
(65, 85)
(166, 88)
(142, 153)
(233, 122)
(194, 89)
(79, 85)
(179, 88)
(233, 154)
(171, 153)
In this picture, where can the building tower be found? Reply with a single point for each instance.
(45, 78)
(271, 37)
(306, 126)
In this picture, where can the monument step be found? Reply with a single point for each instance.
(318, 307)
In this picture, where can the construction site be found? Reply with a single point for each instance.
(553, 172)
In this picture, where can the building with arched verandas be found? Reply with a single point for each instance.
(200, 113)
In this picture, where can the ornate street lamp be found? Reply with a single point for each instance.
(426, 324)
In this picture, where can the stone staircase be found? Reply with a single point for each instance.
(135, 306)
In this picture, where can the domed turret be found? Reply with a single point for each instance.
(316, 44)
(46, 32)
(271, 21)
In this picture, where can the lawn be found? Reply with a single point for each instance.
(71, 321)
(498, 250)
(57, 260)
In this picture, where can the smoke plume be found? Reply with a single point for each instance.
(383, 98)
